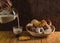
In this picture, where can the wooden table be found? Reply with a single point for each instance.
(8, 37)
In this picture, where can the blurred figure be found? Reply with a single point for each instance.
(5, 3)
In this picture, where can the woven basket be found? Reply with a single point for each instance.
(40, 35)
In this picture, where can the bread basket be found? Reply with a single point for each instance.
(40, 35)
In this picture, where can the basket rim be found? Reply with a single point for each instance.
(38, 33)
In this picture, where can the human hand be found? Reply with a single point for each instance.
(5, 3)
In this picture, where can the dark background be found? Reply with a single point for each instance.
(35, 9)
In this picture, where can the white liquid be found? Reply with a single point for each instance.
(7, 18)
(17, 30)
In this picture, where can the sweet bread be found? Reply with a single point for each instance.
(43, 23)
(40, 30)
(35, 22)
(24, 38)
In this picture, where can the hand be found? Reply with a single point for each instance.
(5, 3)
(9, 2)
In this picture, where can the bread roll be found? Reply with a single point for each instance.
(48, 30)
(43, 23)
(39, 30)
(35, 22)
(24, 38)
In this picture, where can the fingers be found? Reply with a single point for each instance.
(5, 4)
(9, 2)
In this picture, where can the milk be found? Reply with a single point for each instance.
(7, 18)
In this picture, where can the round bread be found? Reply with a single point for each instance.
(40, 30)
(43, 23)
(35, 22)
(48, 31)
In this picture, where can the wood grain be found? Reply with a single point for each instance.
(8, 37)
(53, 38)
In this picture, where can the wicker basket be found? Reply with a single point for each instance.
(40, 35)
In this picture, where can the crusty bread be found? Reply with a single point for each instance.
(24, 38)
(43, 23)
(35, 22)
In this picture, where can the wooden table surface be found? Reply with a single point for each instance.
(8, 37)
